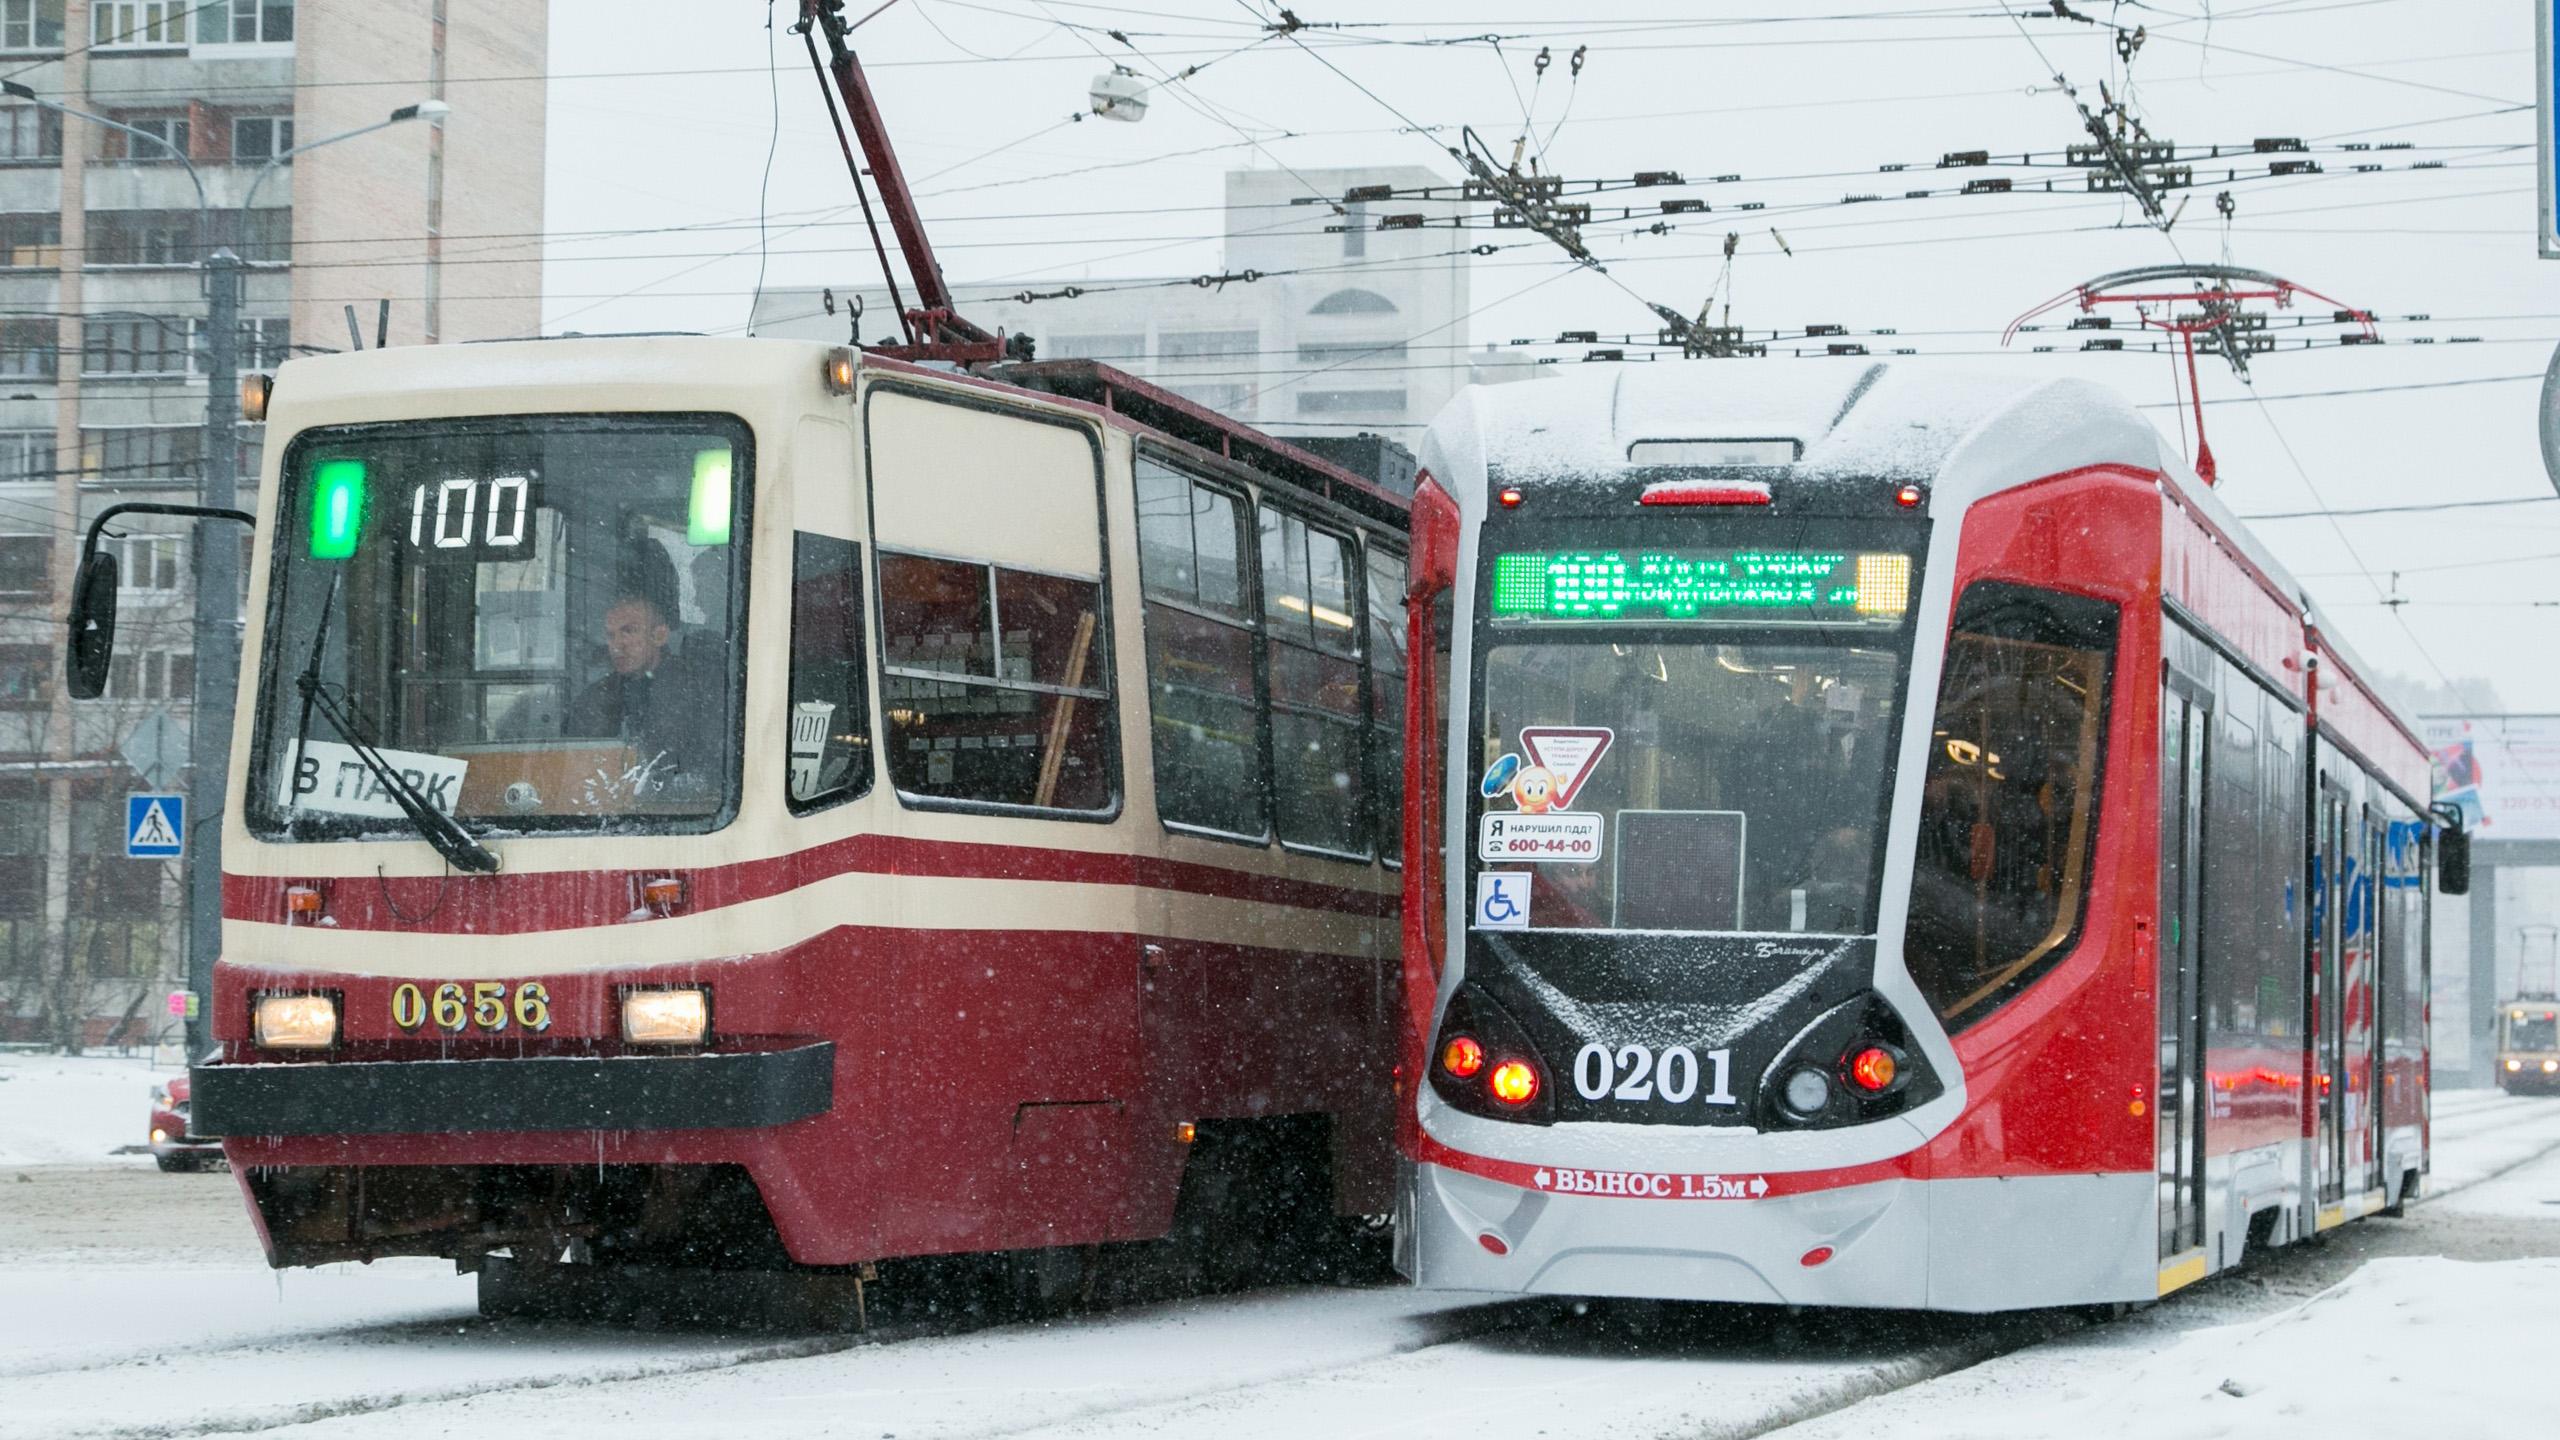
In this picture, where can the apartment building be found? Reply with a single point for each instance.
(102, 389)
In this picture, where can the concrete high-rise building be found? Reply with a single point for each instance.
(102, 390)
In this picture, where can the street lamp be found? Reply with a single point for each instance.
(217, 618)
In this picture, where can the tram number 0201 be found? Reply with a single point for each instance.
(1636, 1073)
(487, 1005)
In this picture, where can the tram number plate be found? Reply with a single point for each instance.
(1636, 1073)
(489, 1005)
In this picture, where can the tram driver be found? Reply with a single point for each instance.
(652, 695)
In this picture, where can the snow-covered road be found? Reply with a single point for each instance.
(133, 1304)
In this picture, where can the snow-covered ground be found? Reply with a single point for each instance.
(74, 1110)
(133, 1303)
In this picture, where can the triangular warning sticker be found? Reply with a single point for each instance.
(1567, 752)
(153, 831)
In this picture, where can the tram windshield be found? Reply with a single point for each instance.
(1692, 784)
(2533, 1030)
(530, 623)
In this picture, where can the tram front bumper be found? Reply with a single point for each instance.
(1855, 1245)
(516, 1095)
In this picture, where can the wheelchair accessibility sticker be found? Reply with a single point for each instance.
(1502, 900)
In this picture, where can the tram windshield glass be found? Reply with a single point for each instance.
(524, 623)
(2533, 1030)
(1716, 760)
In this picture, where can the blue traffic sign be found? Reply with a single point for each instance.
(155, 827)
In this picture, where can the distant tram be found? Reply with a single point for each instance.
(712, 803)
(1900, 842)
(2529, 1045)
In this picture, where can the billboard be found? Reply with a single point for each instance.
(2502, 771)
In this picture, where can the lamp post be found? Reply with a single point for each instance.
(217, 561)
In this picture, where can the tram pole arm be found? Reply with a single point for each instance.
(938, 318)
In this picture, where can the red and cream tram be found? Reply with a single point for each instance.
(1900, 842)
(708, 799)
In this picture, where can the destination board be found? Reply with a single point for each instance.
(1837, 586)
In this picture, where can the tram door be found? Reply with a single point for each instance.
(2328, 1068)
(2186, 721)
(2360, 998)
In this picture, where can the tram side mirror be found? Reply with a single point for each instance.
(2453, 861)
(93, 625)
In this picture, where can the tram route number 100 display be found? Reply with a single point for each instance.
(462, 517)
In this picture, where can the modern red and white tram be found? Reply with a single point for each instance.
(1900, 843)
(714, 800)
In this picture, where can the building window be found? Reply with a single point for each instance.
(1206, 344)
(1310, 612)
(140, 237)
(26, 564)
(261, 237)
(1355, 229)
(137, 345)
(26, 673)
(830, 715)
(260, 137)
(26, 455)
(248, 22)
(30, 24)
(1204, 686)
(168, 131)
(149, 563)
(1232, 400)
(996, 685)
(1354, 302)
(266, 341)
(27, 348)
(150, 675)
(140, 454)
(30, 240)
(1118, 349)
(1345, 402)
(29, 136)
(1382, 352)
(119, 24)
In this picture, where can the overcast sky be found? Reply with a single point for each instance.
(662, 115)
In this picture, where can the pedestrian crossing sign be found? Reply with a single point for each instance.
(155, 827)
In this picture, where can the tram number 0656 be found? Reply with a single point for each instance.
(487, 1005)
(1636, 1073)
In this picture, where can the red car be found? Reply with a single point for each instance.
(171, 1144)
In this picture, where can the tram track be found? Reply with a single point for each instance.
(1757, 1369)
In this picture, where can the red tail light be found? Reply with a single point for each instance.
(1513, 1082)
(1462, 1056)
(1874, 1068)
(1510, 497)
(1908, 497)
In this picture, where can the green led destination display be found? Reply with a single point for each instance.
(1827, 585)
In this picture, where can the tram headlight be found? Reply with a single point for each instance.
(2551, 1067)
(1808, 1091)
(666, 1017)
(2514, 1064)
(296, 1022)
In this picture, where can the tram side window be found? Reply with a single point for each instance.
(1310, 608)
(995, 684)
(830, 718)
(1387, 641)
(2009, 813)
(1206, 700)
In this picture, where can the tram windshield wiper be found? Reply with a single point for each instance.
(460, 848)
